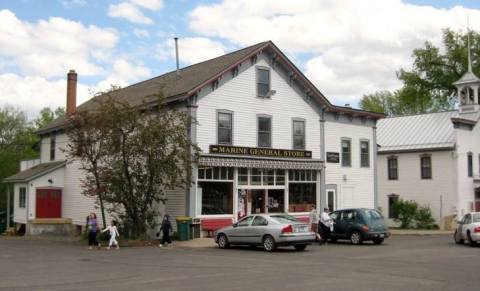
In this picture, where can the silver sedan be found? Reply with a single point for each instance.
(468, 229)
(269, 231)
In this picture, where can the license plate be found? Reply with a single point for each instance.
(302, 228)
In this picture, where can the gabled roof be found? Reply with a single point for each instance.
(34, 172)
(432, 131)
(467, 78)
(193, 78)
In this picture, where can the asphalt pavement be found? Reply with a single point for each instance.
(402, 263)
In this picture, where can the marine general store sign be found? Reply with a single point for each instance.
(265, 152)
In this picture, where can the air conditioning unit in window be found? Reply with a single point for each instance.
(269, 94)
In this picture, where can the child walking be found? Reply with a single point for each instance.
(165, 229)
(112, 229)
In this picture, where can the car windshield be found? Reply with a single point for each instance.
(284, 218)
(372, 215)
(476, 217)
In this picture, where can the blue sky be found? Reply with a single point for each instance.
(347, 50)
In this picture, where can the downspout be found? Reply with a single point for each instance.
(375, 171)
(27, 212)
(323, 190)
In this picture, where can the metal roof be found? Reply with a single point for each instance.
(432, 131)
(34, 172)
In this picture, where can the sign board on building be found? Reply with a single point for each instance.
(333, 157)
(265, 152)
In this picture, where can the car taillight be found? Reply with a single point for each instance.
(476, 229)
(365, 228)
(287, 229)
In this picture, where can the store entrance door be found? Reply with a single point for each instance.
(258, 199)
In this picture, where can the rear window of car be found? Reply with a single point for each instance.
(284, 218)
(372, 215)
(476, 217)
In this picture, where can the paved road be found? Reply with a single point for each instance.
(403, 263)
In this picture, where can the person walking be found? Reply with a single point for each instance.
(313, 218)
(165, 229)
(92, 226)
(113, 231)
(326, 223)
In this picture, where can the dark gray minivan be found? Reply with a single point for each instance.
(359, 225)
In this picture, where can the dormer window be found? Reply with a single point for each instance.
(263, 81)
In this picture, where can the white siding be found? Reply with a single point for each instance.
(19, 214)
(439, 193)
(239, 95)
(355, 184)
(60, 145)
(467, 141)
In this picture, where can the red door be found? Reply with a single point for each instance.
(49, 203)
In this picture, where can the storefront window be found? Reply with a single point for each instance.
(280, 177)
(302, 175)
(268, 177)
(276, 201)
(215, 174)
(243, 176)
(217, 197)
(256, 177)
(301, 196)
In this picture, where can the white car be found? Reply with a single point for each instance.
(468, 229)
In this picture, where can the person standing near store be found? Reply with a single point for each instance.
(165, 228)
(313, 217)
(92, 231)
(326, 223)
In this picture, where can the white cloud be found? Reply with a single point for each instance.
(191, 49)
(141, 33)
(31, 94)
(149, 4)
(51, 47)
(356, 46)
(122, 74)
(129, 12)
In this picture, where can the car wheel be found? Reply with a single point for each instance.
(471, 242)
(378, 241)
(223, 241)
(356, 238)
(269, 243)
(457, 239)
(300, 247)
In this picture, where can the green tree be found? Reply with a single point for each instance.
(384, 102)
(47, 115)
(406, 211)
(132, 157)
(428, 85)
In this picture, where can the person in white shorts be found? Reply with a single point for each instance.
(112, 229)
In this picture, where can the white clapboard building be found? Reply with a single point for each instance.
(433, 159)
(270, 140)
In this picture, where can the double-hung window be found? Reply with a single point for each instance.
(346, 152)
(426, 167)
(263, 82)
(52, 147)
(298, 134)
(392, 168)
(364, 154)
(224, 127)
(22, 197)
(264, 125)
(470, 164)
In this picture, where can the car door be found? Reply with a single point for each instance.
(336, 218)
(257, 229)
(460, 227)
(341, 225)
(239, 233)
(466, 223)
(348, 219)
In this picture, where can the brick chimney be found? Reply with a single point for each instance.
(71, 92)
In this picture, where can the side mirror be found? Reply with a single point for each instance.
(235, 224)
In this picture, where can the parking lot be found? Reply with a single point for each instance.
(402, 263)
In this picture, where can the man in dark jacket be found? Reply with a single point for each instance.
(165, 228)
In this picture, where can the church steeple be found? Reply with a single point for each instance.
(468, 85)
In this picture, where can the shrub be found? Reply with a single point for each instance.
(424, 218)
(406, 211)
